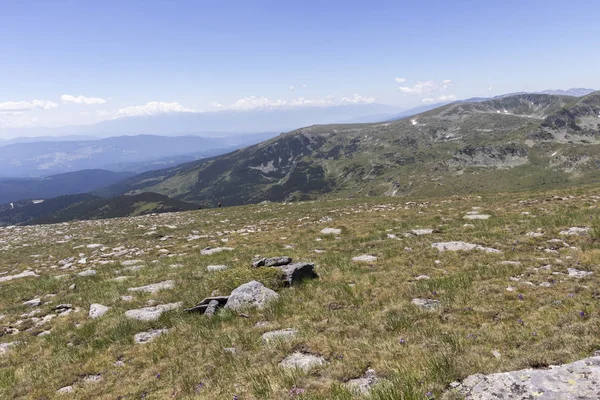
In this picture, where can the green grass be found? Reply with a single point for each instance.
(356, 315)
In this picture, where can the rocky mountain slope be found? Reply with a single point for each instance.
(525, 141)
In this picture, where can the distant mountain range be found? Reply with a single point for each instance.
(84, 181)
(123, 153)
(523, 141)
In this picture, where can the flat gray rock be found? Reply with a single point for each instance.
(297, 272)
(281, 334)
(151, 313)
(251, 294)
(23, 274)
(477, 216)
(302, 361)
(462, 246)
(97, 310)
(5, 346)
(88, 272)
(272, 262)
(575, 381)
(65, 390)
(426, 304)
(209, 250)
(153, 288)
(331, 231)
(33, 302)
(129, 263)
(214, 268)
(575, 273)
(145, 337)
(363, 384)
(575, 231)
(364, 258)
(421, 232)
(211, 308)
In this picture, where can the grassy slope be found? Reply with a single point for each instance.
(354, 315)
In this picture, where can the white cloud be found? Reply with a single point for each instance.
(423, 87)
(439, 99)
(67, 98)
(302, 102)
(214, 104)
(27, 105)
(292, 87)
(490, 89)
(358, 99)
(253, 102)
(153, 108)
(102, 113)
(16, 119)
(400, 80)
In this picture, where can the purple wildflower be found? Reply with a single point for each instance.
(402, 341)
(157, 376)
(581, 313)
(571, 295)
(429, 395)
(520, 296)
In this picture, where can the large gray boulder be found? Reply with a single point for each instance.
(251, 294)
(578, 380)
(295, 273)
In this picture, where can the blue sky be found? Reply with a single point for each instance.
(72, 62)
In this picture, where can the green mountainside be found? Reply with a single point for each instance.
(519, 142)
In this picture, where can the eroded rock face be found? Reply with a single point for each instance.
(297, 272)
(302, 361)
(251, 294)
(462, 246)
(575, 381)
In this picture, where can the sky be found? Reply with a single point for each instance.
(81, 62)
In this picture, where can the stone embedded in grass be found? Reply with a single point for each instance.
(89, 272)
(462, 246)
(5, 346)
(421, 277)
(297, 272)
(94, 246)
(426, 304)
(421, 232)
(151, 313)
(476, 216)
(129, 263)
(534, 234)
(576, 273)
(92, 378)
(331, 231)
(203, 306)
(210, 250)
(302, 361)
(65, 390)
(97, 310)
(154, 287)
(364, 258)
(214, 268)
(574, 381)
(251, 294)
(211, 308)
(575, 231)
(279, 335)
(271, 262)
(33, 302)
(508, 262)
(363, 384)
(23, 274)
(145, 337)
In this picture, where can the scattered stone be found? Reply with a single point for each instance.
(534, 234)
(477, 216)
(5, 346)
(272, 262)
(145, 337)
(211, 308)
(575, 273)
(574, 381)
(151, 313)
(97, 310)
(33, 302)
(496, 354)
(94, 246)
(127, 298)
(153, 288)
(279, 335)
(363, 384)
(63, 307)
(73, 287)
(421, 277)
(462, 246)
(295, 273)
(66, 389)
(426, 304)
(23, 274)
(575, 231)
(251, 294)
(89, 272)
(209, 250)
(204, 304)
(331, 231)
(231, 350)
(510, 263)
(302, 361)
(421, 232)
(92, 378)
(129, 263)
(364, 258)
(214, 268)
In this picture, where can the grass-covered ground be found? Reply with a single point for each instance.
(356, 315)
